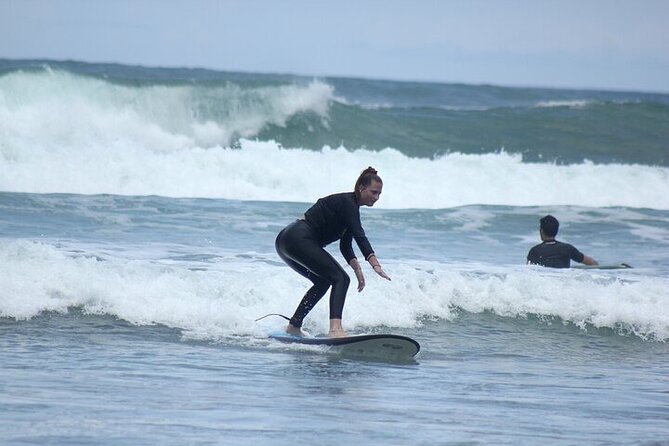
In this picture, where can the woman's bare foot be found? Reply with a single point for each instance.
(337, 334)
(336, 330)
(295, 331)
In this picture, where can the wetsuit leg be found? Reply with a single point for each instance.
(298, 247)
(311, 297)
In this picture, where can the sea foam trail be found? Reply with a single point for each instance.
(263, 170)
(220, 301)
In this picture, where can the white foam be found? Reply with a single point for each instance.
(221, 301)
(574, 103)
(266, 171)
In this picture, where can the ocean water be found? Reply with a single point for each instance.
(138, 211)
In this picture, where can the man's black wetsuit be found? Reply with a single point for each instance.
(554, 254)
(301, 243)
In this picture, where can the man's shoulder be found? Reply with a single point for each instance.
(564, 245)
(537, 246)
(545, 248)
(534, 252)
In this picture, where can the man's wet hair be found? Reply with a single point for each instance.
(549, 225)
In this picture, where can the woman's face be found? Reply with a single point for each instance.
(370, 194)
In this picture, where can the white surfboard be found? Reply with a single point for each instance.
(380, 346)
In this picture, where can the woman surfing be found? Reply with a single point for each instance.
(301, 245)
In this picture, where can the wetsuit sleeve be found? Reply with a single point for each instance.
(355, 231)
(346, 246)
(575, 254)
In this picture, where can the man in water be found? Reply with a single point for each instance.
(552, 253)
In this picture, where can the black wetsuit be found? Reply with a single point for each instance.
(554, 254)
(301, 243)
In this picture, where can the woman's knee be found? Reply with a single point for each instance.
(341, 278)
(320, 283)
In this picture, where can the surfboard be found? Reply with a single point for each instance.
(380, 346)
(604, 266)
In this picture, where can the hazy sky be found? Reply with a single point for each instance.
(607, 44)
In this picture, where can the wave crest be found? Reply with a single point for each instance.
(58, 109)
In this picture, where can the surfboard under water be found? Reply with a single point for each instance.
(378, 346)
(604, 266)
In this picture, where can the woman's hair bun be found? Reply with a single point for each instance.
(365, 179)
